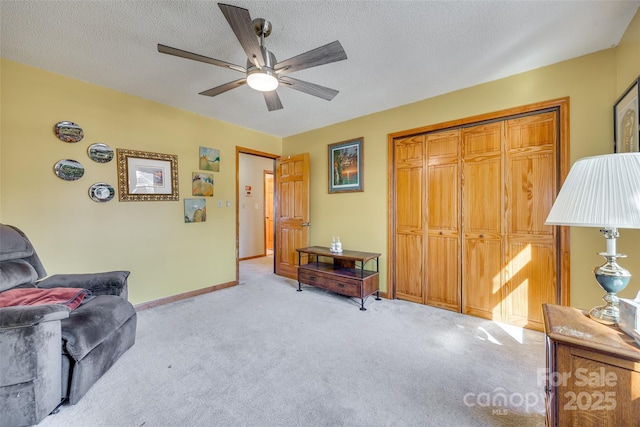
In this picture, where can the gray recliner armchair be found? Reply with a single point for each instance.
(59, 335)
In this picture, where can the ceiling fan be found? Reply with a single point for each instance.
(262, 72)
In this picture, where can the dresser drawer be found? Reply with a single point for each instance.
(330, 282)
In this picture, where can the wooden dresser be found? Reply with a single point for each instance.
(593, 371)
(345, 275)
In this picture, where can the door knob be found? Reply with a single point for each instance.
(306, 224)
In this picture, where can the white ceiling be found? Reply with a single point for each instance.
(398, 51)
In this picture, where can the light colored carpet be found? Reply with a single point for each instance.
(262, 354)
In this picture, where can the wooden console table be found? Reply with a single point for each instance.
(343, 276)
(593, 371)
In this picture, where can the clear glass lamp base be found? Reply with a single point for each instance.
(607, 314)
(612, 279)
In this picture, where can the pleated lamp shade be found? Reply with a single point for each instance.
(600, 191)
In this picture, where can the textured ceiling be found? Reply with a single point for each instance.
(398, 51)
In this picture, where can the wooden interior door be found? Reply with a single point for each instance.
(292, 212)
(409, 158)
(268, 210)
(482, 225)
(443, 220)
(531, 247)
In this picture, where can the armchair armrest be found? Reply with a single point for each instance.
(22, 316)
(107, 283)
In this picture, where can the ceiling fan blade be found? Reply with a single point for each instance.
(310, 88)
(240, 22)
(273, 100)
(326, 54)
(189, 55)
(223, 88)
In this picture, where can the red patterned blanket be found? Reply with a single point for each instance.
(71, 297)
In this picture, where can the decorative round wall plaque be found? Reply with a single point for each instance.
(68, 131)
(101, 192)
(100, 153)
(69, 170)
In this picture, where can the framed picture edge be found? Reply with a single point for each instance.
(124, 193)
(627, 91)
(360, 187)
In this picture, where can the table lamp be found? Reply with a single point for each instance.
(602, 191)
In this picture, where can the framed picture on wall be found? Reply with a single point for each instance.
(145, 176)
(625, 120)
(195, 210)
(209, 159)
(202, 184)
(346, 166)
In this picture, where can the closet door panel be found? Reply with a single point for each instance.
(409, 215)
(443, 195)
(530, 281)
(409, 275)
(531, 254)
(482, 140)
(482, 278)
(529, 197)
(443, 220)
(409, 151)
(409, 240)
(443, 272)
(482, 220)
(534, 131)
(482, 197)
(482, 180)
(410, 218)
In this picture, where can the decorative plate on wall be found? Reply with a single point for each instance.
(100, 153)
(101, 192)
(68, 131)
(69, 170)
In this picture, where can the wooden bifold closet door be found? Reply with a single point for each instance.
(409, 155)
(482, 220)
(531, 248)
(469, 212)
(443, 220)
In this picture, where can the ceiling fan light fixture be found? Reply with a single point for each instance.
(262, 80)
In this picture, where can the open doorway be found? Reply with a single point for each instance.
(269, 231)
(255, 201)
(253, 206)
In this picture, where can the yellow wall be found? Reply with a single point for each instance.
(360, 219)
(73, 234)
(628, 55)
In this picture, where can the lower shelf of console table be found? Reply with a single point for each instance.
(342, 276)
